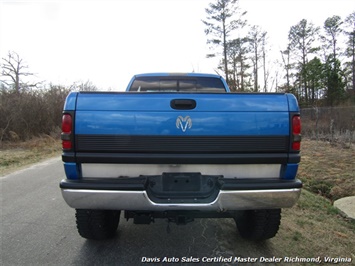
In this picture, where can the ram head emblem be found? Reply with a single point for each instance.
(183, 123)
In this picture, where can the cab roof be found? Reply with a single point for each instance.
(166, 74)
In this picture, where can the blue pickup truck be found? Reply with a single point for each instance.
(180, 146)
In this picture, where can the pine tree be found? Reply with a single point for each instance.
(220, 23)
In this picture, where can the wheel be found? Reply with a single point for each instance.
(97, 224)
(258, 224)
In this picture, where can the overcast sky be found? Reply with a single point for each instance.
(107, 42)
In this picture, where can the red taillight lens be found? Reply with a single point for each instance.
(296, 145)
(296, 125)
(67, 124)
(67, 127)
(296, 133)
(66, 144)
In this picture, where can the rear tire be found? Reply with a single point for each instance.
(258, 225)
(97, 224)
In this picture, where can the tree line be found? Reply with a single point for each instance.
(30, 108)
(317, 65)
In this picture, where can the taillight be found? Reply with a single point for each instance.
(296, 133)
(67, 127)
(67, 124)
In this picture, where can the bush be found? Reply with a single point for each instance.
(329, 123)
(27, 114)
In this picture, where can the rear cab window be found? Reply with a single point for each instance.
(178, 84)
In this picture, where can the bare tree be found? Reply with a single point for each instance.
(13, 69)
(287, 66)
(83, 86)
(256, 39)
(263, 50)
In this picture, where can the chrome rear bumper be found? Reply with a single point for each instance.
(227, 200)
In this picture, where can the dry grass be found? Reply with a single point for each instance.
(314, 228)
(14, 156)
(328, 169)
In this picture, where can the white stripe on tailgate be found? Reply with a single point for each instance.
(227, 170)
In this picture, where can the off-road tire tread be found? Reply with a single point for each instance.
(97, 224)
(259, 225)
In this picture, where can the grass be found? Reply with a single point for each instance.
(312, 228)
(14, 156)
(328, 169)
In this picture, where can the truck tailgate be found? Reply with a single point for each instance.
(151, 114)
(146, 128)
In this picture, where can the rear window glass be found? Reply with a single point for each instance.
(178, 84)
